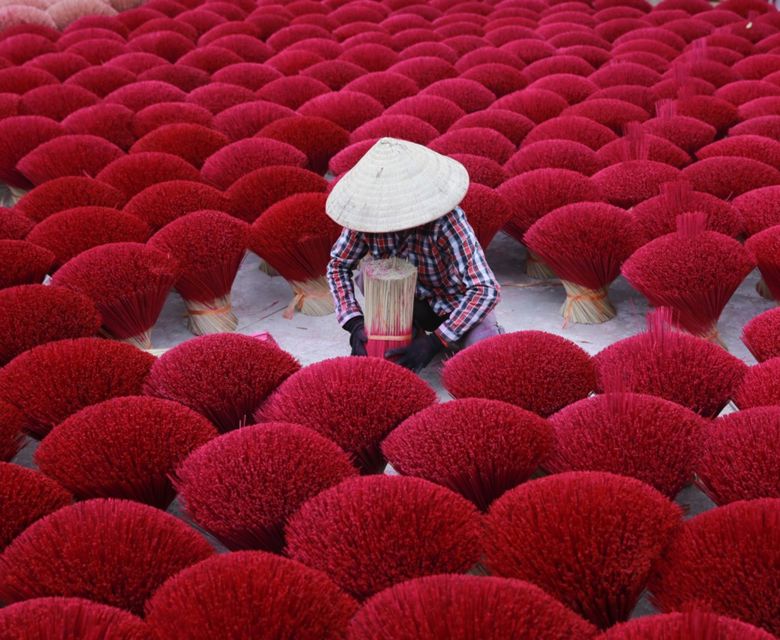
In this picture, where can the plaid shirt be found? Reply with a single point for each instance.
(453, 274)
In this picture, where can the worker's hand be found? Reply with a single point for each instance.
(357, 335)
(417, 355)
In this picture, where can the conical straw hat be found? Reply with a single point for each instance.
(397, 185)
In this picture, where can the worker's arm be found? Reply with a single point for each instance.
(345, 257)
(470, 267)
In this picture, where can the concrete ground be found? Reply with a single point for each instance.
(260, 300)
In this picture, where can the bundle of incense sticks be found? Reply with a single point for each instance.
(389, 287)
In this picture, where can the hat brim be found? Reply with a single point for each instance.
(397, 185)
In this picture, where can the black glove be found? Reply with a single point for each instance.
(357, 335)
(417, 355)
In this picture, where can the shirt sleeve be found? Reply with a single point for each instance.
(482, 291)
(344, 259)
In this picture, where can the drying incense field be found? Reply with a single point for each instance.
(188, 453)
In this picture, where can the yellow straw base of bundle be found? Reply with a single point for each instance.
(311, 298)
(712, 335)
(216, 316)
(142, 340)
(586, 306)
(537, 269)
(763, 290)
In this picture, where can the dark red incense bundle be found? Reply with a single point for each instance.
(158, 115)
(487, 212)
(693, 625)
(555, 154)
(218, 96)
(424, 70)
(35, 314)
(127, 281)
(53, 381)
(482, 170)
(576, 525)
(348, 157)
(102, 80)
(759, 148)
(373, 532)
(534, 370)
(249, 591)
(585, 245)
(346, 109)
(478, 448)
(639, 436)
(673, 365)
(387, 87)
(316, 137)
(209, 247)
(295, 237)
(466, 607)
(759, 209)
(739, 456)
(557, 64)
(538, 105)
(293, 91)
(140, 548)
(479, 141)
(23, 262)
(610, 112)
(355, 402)
(762, 335)
(162, 203)
(243, 486)
(657, 216)
(225, 377)
(135, 172)
(139, 95)
(404, 127)
(622, 72)
(12, 423)
(56, 101)
(636, 179)
(572, 88)
(334, 73)
(26, 497)
(246, 119)
(575, 128)
(763, 248)
(693, 271)
(742, 91)
(760, 387)
(110, 121)
(185, 78)
(14, 225)
(66, 193)
(437, 111)
(251, 75)
(191, 142)
(19, 135)
(469, 95)
(725, 558)
(687, 133)
(768, 126)
(717, 112)
(727, 177)
(658, 150)
(251, 195)
(513, 126)
(766, 106)
(240, 158)
(123, 448)
(71, 232)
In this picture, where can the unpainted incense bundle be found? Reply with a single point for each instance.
(389, 287)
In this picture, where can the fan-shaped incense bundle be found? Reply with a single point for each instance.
(389, 287)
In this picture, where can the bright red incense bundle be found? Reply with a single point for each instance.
(71, 232)
(68, 155)
(373, 532)
(140, 548)
(673, 365)
(768, 126)
(479, 141)
(555, 154)
(26, 497)
(316, 137)
(759, 148)
(717, 112)
(123, 448)
(694, 625)
(163, 202)
(138, 95)
(613, 113)
(135, 172)
(23, 262)
(575, 128)
(742, 91)
(185, 78)
(128, 282)
(225, 377)
(56, 101)
(246, 119)
(295, 237)
(762, 335)
(725, 560)
(387, 87)
(158, 115)
(585, 245)
(534, 370)
(191, 142)
(346, 109)
(657, 216)
(487, 212)
(243, 486)
(240, 158)
(334, 73)
(19, 135)
(658, 150)
(639, 436)
(687, 133)
(355, 402)
(513, 126)
(113, 122)
(764, 248)
(263, 595)
(727, 177)
(218, 96)
(293, 91)
(478, 448)
(570, 87)
(404, 127)
(102, 80)
(348, 157)
(437, 111)
(209, 247)
(466, 607)
(251, 195)
(740, 454)
(43, 618)
(66, 193)
(760, 386)
(759, 209)
(575, 524)
(35, 314)
(693, 271)
(538, 105)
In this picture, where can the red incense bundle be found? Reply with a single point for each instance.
(389, 287)
(763, 247)
(693, 271)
